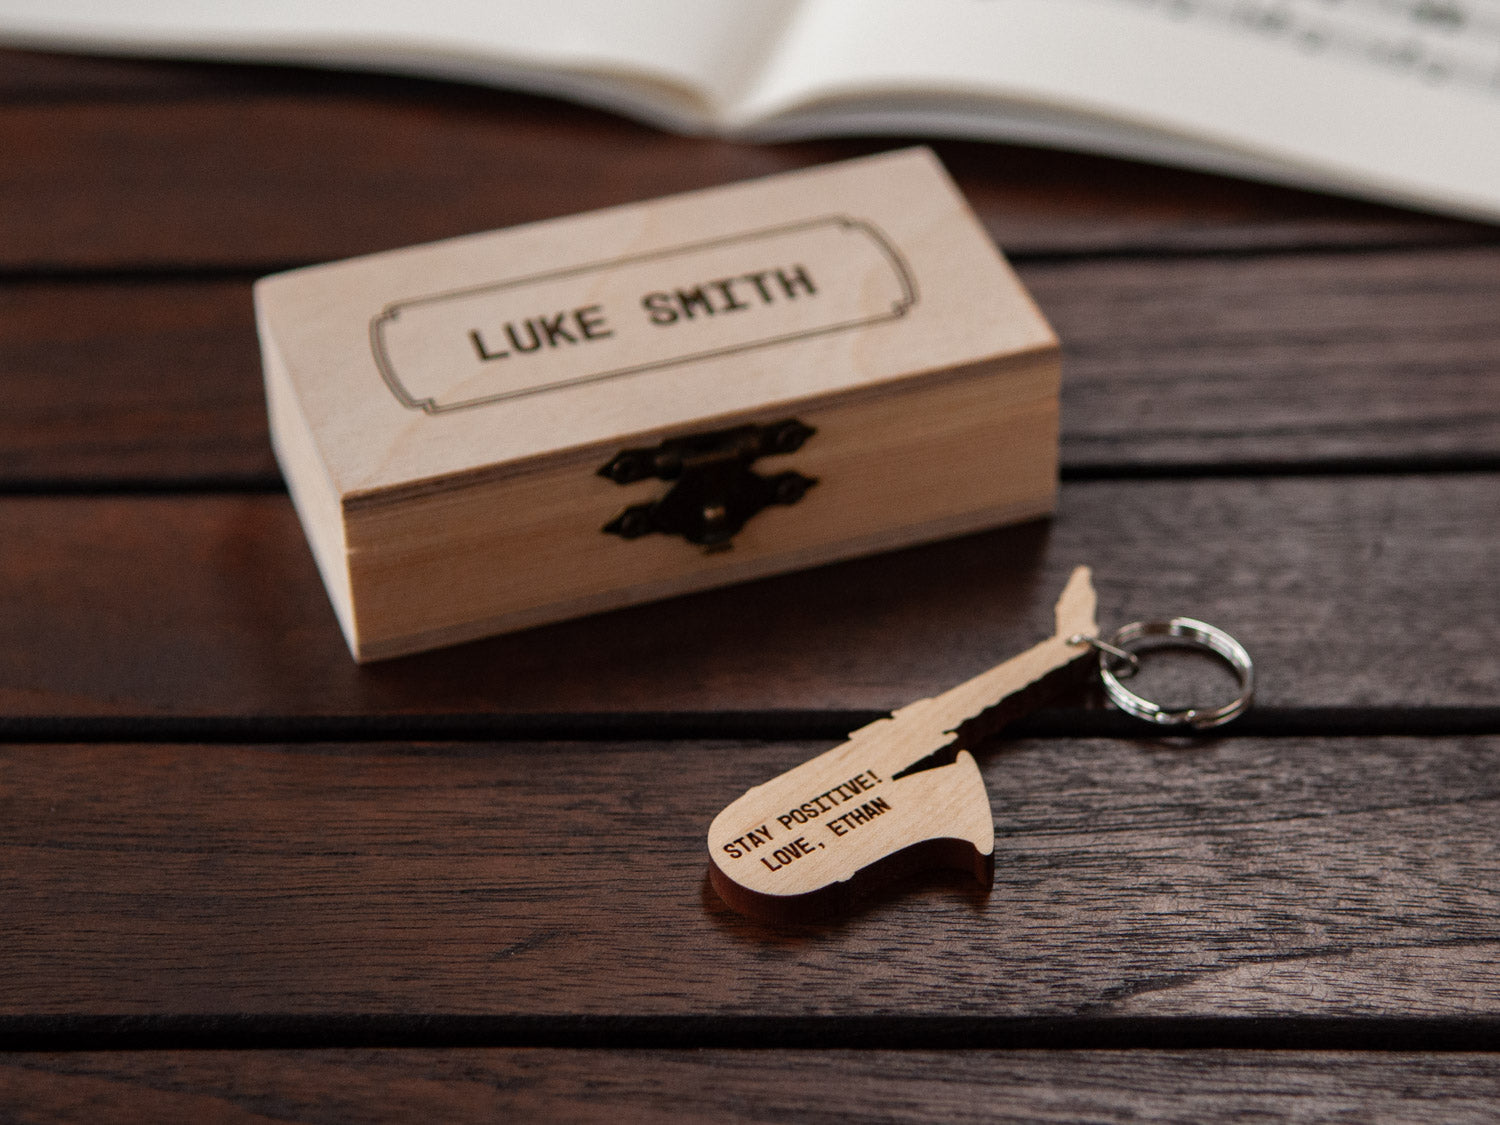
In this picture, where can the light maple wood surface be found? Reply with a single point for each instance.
(823, 826)
(442, 431)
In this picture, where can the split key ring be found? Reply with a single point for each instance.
(1179, 632)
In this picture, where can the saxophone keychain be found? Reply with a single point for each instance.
(904, 793)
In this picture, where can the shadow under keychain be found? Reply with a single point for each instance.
(904, 793)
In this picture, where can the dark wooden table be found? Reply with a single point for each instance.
(242, 879)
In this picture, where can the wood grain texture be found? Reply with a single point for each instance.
(41, 76)
(1271, 361)
(1347, 878)
(318, 1087)
(156, 382)
(935, 816)
(258, 890)
(1347, 591)
(264, 171)
(462, 492)
(1219, 361)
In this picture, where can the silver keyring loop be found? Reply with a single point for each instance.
(1183, 632)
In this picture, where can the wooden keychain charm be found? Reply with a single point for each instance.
(904, 793)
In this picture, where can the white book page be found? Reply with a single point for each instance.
(678, 60)
(1398, 99)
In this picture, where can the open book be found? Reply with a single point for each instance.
(1397, 100)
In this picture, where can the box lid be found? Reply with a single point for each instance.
(481, 354)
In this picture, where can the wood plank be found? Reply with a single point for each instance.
(1348, 591)
(155, 382)
(1260, 360)
(41, 76)
(252, 180)
(769, 1085)
(1352, 879)
(1377, 357)
(28, 74)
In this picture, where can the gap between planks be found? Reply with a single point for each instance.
(758, 726)
(232, 1031)
(171, 272)
(257, 484)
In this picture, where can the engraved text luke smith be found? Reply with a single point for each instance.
(719, 297)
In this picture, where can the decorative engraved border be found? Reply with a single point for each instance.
(898, 309)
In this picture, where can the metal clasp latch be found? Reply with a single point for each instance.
(715, 491)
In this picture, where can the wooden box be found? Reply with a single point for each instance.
(506, 429)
